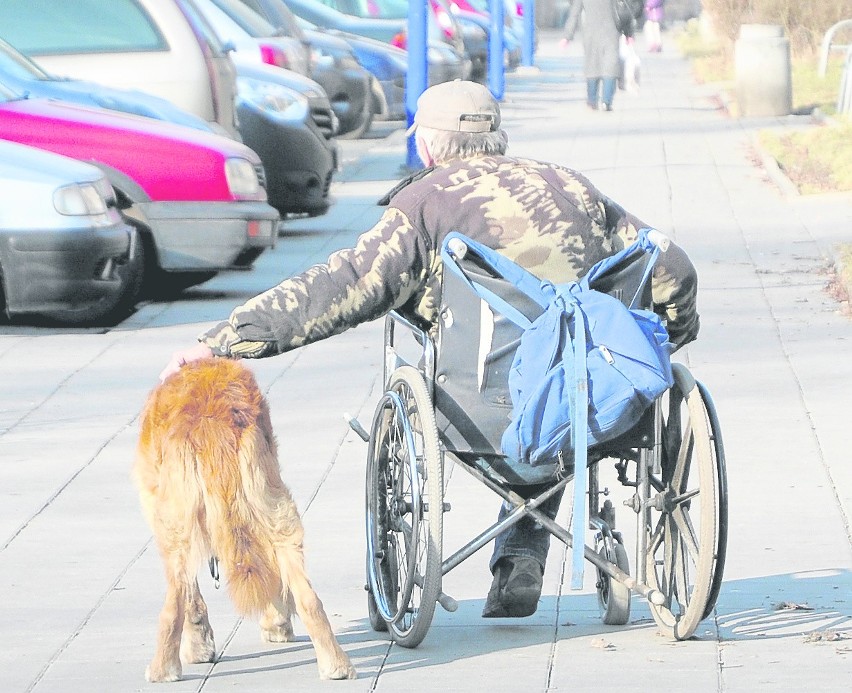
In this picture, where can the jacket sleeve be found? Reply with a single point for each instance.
(386, 268)
(573, 19)
(674, 283)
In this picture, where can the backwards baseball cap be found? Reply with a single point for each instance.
(457, 106)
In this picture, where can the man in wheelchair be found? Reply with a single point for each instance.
(545, 217)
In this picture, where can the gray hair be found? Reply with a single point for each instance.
(445, 145)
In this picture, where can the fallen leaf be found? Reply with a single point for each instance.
(602, 644)
(829, 635)
(791, 606)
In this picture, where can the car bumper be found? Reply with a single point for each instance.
(46, 272)
(193, 236)
(299, 161)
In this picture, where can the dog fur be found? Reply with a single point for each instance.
(210, 486)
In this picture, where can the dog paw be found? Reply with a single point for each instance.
(277, 634)
(198, 653)
(340, 669)
(157, 673)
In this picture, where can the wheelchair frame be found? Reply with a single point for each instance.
(679, 463)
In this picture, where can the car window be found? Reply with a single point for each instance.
(281, 15)
(248, 20)
(81, 26)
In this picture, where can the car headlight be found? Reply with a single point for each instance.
(242, 178)
(80, 199)
(273, 98)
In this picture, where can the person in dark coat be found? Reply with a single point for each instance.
(602, 64)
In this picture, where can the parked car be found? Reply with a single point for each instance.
(472, 31)
(252, 38)
(387, 63)
(287, 119)
(65, 251)
(196, 198)
(25, 75)
(150, 45)
(346, 84)
(296, 146)
(478, 11)
(355, 94)
(446, 62)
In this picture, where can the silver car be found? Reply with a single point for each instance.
(65, 252)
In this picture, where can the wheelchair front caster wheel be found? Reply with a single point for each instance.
(613, 597)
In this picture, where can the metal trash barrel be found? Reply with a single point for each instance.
(762, 65)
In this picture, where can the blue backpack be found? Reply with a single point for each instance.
(586, 369)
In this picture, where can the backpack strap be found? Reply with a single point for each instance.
(576, 373)
(496, 302)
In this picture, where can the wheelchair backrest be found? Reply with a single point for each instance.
(475, 348)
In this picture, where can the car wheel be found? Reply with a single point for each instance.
(362, 129)
(168, 285)
(156, 283)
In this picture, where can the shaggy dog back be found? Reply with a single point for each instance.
(210, 486)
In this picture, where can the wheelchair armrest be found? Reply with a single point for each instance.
(424, 360)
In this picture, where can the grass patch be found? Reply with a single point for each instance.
(817, 160)
(846, 259)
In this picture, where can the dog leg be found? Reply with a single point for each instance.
(332, 661)
(276, 624)
(166, 666)
(197, 644)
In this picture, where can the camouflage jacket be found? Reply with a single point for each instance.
(549, 219)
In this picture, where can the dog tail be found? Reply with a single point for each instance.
(237, 504)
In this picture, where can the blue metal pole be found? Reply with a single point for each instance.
(416, 79)
(528, 46)
(496, 68)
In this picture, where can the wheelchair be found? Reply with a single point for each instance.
(448, 402)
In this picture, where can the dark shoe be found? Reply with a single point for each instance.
(515, 590)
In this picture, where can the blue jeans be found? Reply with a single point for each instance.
(593, 88)
(526, 538)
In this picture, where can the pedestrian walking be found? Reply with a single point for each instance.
(654, 13)
(602, 65)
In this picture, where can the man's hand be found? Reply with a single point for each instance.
(184, 356)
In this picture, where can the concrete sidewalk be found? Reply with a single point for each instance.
(81, 585)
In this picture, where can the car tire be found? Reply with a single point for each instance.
(362, 129)
(156, 283)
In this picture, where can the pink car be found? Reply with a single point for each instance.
(197, 199)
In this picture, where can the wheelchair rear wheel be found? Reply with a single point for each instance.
(404, 510)
(721, 469)
(686, 523)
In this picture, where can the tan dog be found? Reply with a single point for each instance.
(210, 486)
